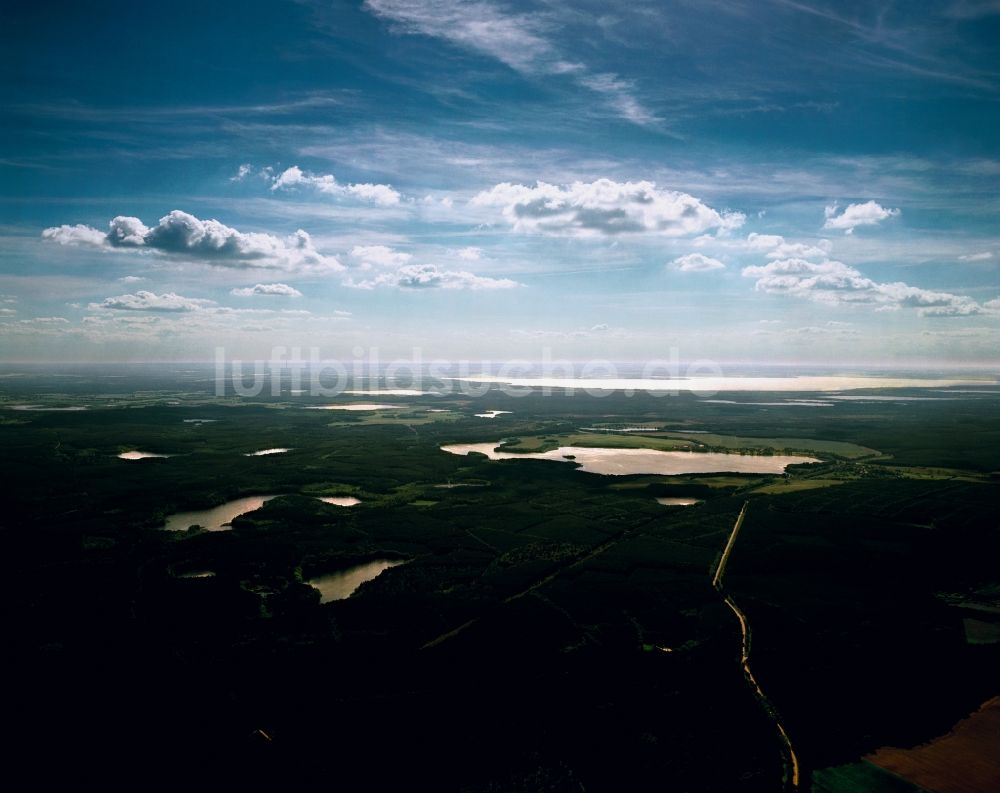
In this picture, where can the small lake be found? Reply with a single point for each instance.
(216, 518)
(265, 452)
(142, 456)
(492, 414)
(340, 501)
(621, 462)
(344, 583)
(676, 501)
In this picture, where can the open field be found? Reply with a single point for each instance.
(963, 761)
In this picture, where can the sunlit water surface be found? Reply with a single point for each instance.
(621, 462)
(344, 583)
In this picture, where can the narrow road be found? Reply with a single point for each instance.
(789, 759)
(721, 569)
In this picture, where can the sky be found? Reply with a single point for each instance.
(768, 181)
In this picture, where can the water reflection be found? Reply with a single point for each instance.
(344, 583)
(216, 518)
(621, 462)
(340, 501)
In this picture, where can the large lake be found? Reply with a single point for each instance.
(620, 462)
(216, 518)
(356, 406)
(722, 383)
(344, 583)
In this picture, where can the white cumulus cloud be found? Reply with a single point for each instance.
(278, 290)
(696, 263)
(604, 208)
(470, 254)
(428, 276)
(867, 214)
(75, 235)
(181, 235)
(776, 247)
(379, 256)
(835, 283)
(293, 177)
(168, 302)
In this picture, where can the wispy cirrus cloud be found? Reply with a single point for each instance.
(522, 41)
(181, 235)
(982, 256)
(605, 208)
(869, 213)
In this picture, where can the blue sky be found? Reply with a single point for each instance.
(772, 181)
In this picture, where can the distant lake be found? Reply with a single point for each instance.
(340, 501)
(390, 392)
(41, 408)
(141, 455)
(621, 462)
(216, 518)
(492, 414)
(344, 583)
(355, 406)
(723, 383)
(265, 452)
(678, 502)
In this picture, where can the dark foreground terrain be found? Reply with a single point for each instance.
(551, 629)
